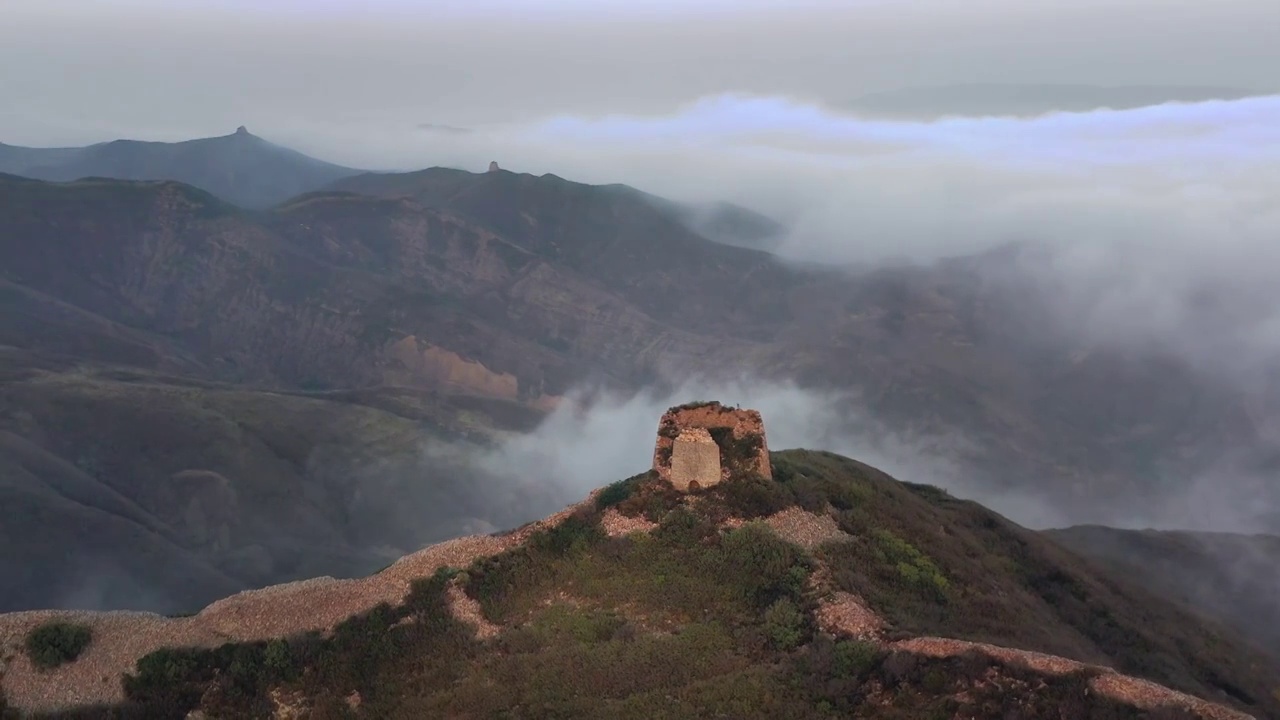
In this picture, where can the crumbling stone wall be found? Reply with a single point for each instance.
(695, 460)
(737, 435)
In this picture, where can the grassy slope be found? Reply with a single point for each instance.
(694, 621)
(316, 484)
(1226, 576)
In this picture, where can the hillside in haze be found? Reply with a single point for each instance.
(193, 369)
(240, 168)
(838, 592)
(1027, 100)
(246, 170)
(454, 189)
(1230, 577)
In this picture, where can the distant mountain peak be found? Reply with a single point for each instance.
(240, 167)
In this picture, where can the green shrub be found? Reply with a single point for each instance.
(845, 495)
(738, 454)
(856, 657)
(57, 642)
(576, 533)
(171, 681)
(428, 595)
(653, 498)
(784, 625)
(809, 494)
(932, 493)
(682, 527)
(832, 673)
(278, 659)
(783, 470)
(913, 567)
(754, 497)
(694, 405)
(763, 565)
(617, 492)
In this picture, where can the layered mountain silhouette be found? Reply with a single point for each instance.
(241, 168)
(251, 172)
(830, 590)
(180, 351)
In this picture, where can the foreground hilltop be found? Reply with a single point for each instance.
(806, 586)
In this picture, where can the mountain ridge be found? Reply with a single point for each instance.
(115, 287)
(636, 519)
(255, 173)
(241, 168)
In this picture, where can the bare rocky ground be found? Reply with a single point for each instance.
(120, 638)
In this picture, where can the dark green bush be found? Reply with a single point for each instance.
(652, 499)
(575, 533)
(492, 580)
(929, 492)
(809, 494)
(765, 566)
(619, 491)
(754, 497)
(844, 495)
(684, 528)
(784, 625)
(358, 656)
(832, 673)
(914, 568)
(56, 643)
(428, 595)
(738, 454)
(694, 405)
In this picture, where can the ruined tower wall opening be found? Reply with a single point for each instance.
(734, 436)
(695, 457)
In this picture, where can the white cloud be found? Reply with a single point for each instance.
(1147, 211)
(594, 439)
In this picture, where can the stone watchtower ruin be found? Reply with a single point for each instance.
(703, 444)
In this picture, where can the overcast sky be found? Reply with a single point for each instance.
(78, 70)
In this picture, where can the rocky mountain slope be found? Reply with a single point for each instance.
(130, 489)
(970, 347)
(460, 191)
(839, 592)
(240, 168)
(425, 303)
